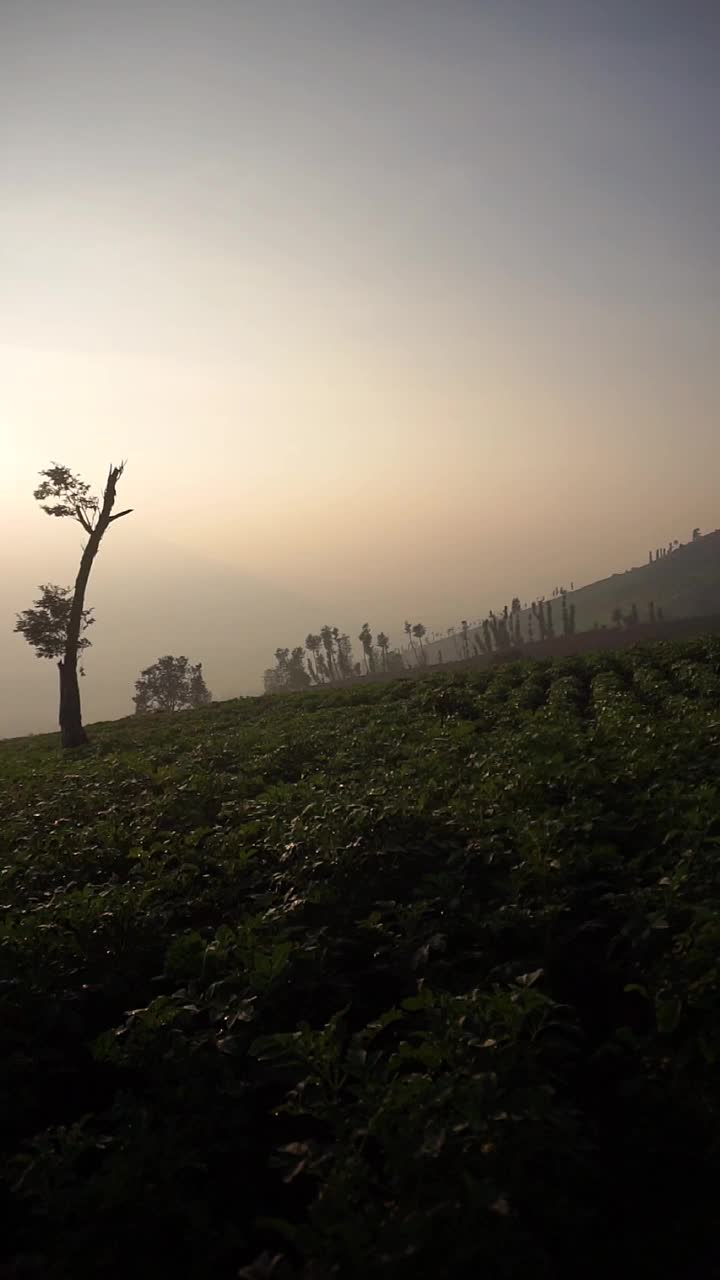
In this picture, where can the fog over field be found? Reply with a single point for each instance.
(395, 310)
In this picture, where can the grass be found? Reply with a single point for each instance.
(416, 979)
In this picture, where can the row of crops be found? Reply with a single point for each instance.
(405, 980)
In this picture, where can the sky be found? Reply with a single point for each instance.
(396, 309)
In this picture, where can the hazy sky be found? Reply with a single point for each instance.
(396, 307)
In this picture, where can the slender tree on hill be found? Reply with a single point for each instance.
(54, 625)
(326, 635)
(383, 644)
(366, 640)
(313, 645)
(419, 631)
(344, 656)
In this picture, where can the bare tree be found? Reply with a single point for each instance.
(54, 628)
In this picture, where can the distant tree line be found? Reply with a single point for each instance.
(327, 658)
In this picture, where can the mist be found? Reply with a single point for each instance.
(391, 319)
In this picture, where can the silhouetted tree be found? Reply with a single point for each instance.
(408, 629)
(383, 644)
(419, 631)
(54, 625)
(289, 673)
(322, 667)
(695, 534)
(170, 684)
(571, 619)
(366, 641)
(313, 644)
(326, 635)
(634, 615)
(617, 616)
(550, 623)
(344, 656)
(487, 637)
(651, 610)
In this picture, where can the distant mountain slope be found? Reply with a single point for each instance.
(684, 584)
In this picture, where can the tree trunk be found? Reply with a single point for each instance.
(71, 728)
(73, 734)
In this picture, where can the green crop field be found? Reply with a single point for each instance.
(415, 979)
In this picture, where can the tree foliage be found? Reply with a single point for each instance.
(288, 675)
(171, 684)
(45, 625)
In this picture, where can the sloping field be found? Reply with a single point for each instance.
(411, 980)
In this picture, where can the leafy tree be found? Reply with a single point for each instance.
(344, 656)
(326, 635)
(171, 684)
(200, 695)
(419, 631)
(383, 644)
(289, 673)
(366, 641)
(45, 626)
(617, 616)
(313, 644)
(695, 534)
(408, 629)
(54, 625)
